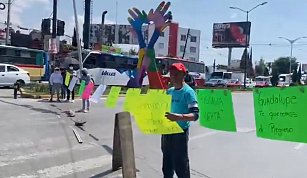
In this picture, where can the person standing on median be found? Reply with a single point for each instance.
(184, 109)
(56, 82)
(72, 74)
(87, 78)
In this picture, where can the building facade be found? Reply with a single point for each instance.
(176, 41)
(173, 41)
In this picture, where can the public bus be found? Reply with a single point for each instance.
(32, 60)
(196, 69)
(117, 69)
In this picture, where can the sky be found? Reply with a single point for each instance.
(285, 18)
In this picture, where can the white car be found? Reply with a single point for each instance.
(10, 74)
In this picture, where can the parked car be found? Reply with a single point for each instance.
(10, 74)
(215, 83)
(262, 84)
(233, 83)
(249, 83)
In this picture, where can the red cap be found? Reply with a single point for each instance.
(179, 67)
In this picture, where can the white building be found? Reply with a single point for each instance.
(235, 64)
(171, 42)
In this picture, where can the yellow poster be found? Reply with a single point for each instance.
(67, 78)
(131, 95)
(149, 113)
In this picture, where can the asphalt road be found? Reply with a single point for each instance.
(37, 141)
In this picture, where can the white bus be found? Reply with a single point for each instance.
(109, 69)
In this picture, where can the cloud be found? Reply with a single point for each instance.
(19, 7)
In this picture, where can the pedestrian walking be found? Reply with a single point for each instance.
(56, 82)
(184, 109)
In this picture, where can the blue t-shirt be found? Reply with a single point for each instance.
(182, 100)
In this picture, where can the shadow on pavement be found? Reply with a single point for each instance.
(31, 108)
(102, 174)
(108, 149)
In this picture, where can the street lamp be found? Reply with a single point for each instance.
(102, 25)
(246, 37)
(291, 43)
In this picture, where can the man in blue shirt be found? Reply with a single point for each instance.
(184, 108)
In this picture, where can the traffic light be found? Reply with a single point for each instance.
(60, 28)
(46, 24)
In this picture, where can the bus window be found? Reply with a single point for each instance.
(91, 61)
(2, 51)
(109, 61)
(39, 58)
(121, 62)
(132, 63)
(227, 75)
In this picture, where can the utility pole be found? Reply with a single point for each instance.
(291, 49)
(87, 24)
(54, 28)
(77, 37)
(8, 21)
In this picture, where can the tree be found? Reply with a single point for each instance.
(242, 63)
(266, 72)
(249, 67)
(295, 76)
(260, 68)
(281, 66)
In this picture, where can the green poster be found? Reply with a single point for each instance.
(130, 97)
(82, 87)
(281, 113)
(216, 110)
(113, 97)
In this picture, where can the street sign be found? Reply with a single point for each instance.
(53, 46)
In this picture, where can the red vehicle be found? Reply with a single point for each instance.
(196, 69)
(233, 83)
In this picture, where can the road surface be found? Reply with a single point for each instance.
(37, 141)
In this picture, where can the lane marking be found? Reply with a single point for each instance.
(70, 168)
(5, 161)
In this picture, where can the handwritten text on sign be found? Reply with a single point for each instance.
(216, 109)
(280, 113)
(149, 113)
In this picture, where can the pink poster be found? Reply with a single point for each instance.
(88, 90)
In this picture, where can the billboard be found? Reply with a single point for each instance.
(231, 34)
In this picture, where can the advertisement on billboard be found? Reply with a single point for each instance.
(231, 34)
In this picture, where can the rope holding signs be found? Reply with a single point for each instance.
(2, 6)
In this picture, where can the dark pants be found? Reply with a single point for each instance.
(72, 94)
(175, 155)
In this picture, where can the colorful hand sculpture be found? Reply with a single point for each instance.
(147, 59)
